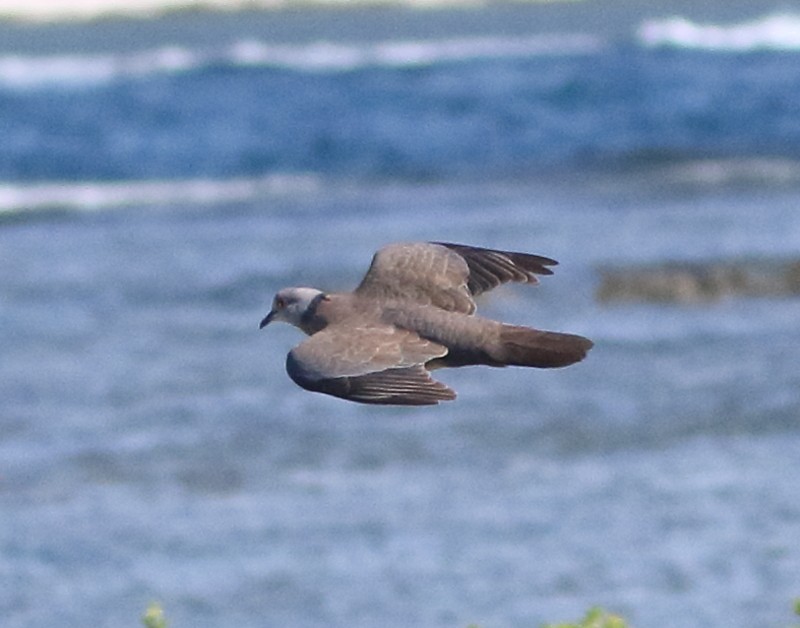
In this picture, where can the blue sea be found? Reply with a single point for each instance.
(160, 179)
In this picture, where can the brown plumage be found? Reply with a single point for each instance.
(413, 312)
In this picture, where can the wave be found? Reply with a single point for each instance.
(327, 56)
(778, 31)
(99, 195)
(742, 171)
(18, 71)
(86, 10)
(57, 11)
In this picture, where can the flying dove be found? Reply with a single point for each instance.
(413, 312)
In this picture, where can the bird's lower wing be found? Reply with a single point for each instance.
(369, 364)
(410, 386)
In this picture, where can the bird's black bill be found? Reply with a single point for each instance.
(266, 320)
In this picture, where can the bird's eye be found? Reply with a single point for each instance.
(280, 303)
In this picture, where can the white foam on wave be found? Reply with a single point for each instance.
(99, 195)
(321, 56)
(26, 72)
(779, 31)
(70, 10)
(765, 171)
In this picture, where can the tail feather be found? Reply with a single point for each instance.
(523, 346)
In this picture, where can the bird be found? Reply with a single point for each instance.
(414, 312)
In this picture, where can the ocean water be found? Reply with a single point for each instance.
(160, 179)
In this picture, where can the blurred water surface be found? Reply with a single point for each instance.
(152, 199)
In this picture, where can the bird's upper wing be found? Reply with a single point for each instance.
(489, 268)
(377, 364)
(446, 275)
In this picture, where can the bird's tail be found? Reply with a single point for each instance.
(523, 346)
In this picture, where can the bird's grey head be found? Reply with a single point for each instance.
(290, 305)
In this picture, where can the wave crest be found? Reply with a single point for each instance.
(101, 195)
(21, 72)
(780, 31)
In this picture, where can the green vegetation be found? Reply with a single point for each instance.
(154, 617)
(595, 618)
